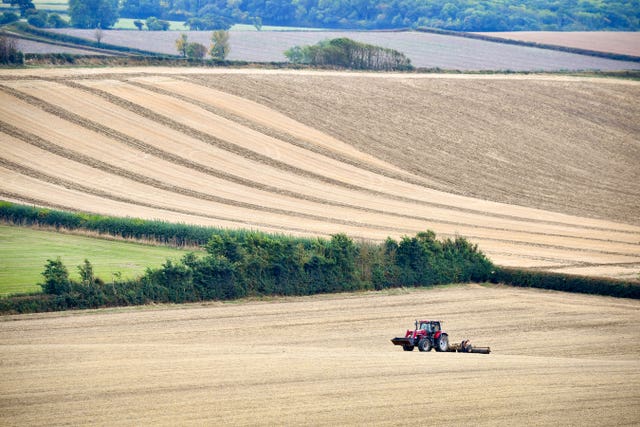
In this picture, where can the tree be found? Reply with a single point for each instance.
(56, 278)
(38, 19)
(155, 24)
(23, 5)
(138, 23)
(220, 44)
(86, 273)
(93, 13)
(196, 51)
(98, 34)
(181, 44)
(9, 53)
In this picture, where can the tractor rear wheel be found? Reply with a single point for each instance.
(407, 347)
(442, 344)
(424, 345)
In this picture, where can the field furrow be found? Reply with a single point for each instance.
(299, 209)
(204, 124)
(86, 106)
(181, 148)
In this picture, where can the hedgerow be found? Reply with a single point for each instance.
(566, 282)
(244, 263)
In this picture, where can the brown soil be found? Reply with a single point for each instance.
(252, 149)
(557, 359)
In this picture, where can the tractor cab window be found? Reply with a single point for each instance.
(436, 327)
(425, 327)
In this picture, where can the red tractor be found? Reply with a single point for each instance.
(428, 334)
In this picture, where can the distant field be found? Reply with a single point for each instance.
(625, 43)
(557, 359)
(539, 171)
(424, 49)
(24, 252)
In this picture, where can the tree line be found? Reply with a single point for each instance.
(244, 263)
(459, 15)
(347, 53)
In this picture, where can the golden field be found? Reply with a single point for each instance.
(557, 359)
(539, 170)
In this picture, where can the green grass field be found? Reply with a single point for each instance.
(24, 252)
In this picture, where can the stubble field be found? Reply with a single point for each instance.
(424, 49)
(540, 171)
(557, 359)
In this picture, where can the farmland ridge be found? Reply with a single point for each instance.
(539, 171)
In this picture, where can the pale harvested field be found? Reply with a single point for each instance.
(540, 171)
(424, 49)
(621, 42)
(557, 359)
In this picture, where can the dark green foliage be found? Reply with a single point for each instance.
(243, 263)
(38, 19)
(346, 53)
(209, 22)
(566, 282)
(24, 5)
(459, 15)
(93, 13)
(162, 232)
(55, 21)
(56, 278)
(8, 18)
(155, 24)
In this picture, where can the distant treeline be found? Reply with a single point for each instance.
(459, 15)
(347, 53)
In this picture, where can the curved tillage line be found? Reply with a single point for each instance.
(545, 245)
(71, 185)
(87, 109)
(569, 243)
(201, 121)
(100, 169)
(283, 134)
(152, 182)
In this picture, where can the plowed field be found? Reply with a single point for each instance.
(557, 359)
(540, 171)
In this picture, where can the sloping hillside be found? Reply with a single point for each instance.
(538, 171)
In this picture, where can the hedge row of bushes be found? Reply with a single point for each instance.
(64, 38)
(566, 282)
(257, 264)
(129, 228)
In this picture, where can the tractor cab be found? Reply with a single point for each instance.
(430, 326)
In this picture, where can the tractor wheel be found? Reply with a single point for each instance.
(407, 347)
(443, 343)
(424, 345)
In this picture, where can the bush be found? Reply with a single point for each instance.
(8, 18)
(566, 282)
(346, 53)
(9, 53)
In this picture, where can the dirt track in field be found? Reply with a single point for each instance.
(557, 359)
(540, 171)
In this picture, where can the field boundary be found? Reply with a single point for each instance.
(567, 49)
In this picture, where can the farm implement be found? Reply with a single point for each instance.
(428, 334)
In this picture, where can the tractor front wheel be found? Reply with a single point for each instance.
(424, 345)
(407, 347)
(442, 343)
